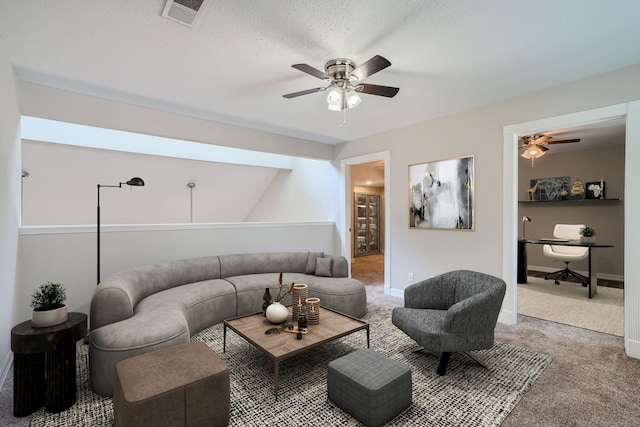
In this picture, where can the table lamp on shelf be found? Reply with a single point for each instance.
(525, 219)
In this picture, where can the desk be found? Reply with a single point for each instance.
(44, 371)
(593, 260)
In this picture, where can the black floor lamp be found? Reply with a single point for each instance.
(136, 182)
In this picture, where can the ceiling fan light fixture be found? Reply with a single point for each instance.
(334, 99)
(353, 100)
(533, 151)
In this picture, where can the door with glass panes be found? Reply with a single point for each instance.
(366, 224)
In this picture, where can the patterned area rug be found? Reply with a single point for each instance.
(468, 395)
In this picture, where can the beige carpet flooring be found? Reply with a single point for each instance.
(569, 303)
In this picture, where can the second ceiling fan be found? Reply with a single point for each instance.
(534, 146)
(345, 79)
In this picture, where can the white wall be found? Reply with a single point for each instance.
(57, 104)
(61, 187)
(308, 192)
(9, 204)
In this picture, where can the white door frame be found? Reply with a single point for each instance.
(347, 201)
(629, 110)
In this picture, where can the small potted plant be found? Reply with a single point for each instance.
(587, 234)
(48, 303)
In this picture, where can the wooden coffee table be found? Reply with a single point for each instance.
(284, 345)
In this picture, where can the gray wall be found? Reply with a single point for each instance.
(606, 217)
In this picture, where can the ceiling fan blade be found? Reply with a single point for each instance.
(540, 139)
(563, 141)
(387, 91)
(303, 92)
(310, 70)
(372, 66)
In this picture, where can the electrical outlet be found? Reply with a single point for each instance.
(410, 277)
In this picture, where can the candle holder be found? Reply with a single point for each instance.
(298, 299)
(313, 311)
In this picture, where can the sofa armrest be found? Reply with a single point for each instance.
(339, 266)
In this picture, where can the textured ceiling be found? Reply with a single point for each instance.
(235, 64)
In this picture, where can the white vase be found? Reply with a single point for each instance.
(45, 318)
(277, 313)
(589, 239)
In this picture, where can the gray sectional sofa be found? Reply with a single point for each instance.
(155, 306)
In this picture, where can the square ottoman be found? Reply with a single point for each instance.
(368, 385)
(184, 385)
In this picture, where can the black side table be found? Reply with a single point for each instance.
(44, 365)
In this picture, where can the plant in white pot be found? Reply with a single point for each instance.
(48, 303)
(587, 234)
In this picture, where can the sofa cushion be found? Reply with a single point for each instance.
(311, 262)
(323, 267)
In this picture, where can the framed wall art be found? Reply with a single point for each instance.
(441, 194)
(594, 190)
(549, 188)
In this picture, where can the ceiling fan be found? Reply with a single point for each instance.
(344, 80)
(534, 146)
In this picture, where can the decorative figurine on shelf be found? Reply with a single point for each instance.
(532, 190)
(577, 189)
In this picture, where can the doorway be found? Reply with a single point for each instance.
(368, 174)
(574, 158)
(630, 111)
(367, 222)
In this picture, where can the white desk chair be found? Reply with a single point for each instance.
(566, 254)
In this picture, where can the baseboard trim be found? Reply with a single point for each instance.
(398, 293)
(506, 317)
(6, 365)
(632, 348)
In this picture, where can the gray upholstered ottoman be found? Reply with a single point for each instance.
(369, 386)
(184, 385)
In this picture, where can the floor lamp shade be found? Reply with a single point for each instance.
(134, 182)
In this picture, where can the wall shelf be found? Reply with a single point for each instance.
(573, 201)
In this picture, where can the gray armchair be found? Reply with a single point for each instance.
(453, 312)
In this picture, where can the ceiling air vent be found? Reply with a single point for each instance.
(185, 12)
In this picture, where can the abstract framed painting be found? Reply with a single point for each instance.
(441, 194)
